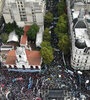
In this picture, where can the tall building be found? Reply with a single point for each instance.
(24, 12)
(79, 22)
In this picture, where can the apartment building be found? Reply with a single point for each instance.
(24, 12)
(79, 22)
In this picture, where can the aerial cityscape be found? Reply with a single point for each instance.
(44, 49)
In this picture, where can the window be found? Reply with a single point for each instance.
(15, 66)
(10, 66)
(73, 63)
(21, 5)
(86, 61)
(85, 50)
(74, 58)
(19, 56)
(37, 67)
(23, 67)
(78, 61)
(31, 67)
(23, 9)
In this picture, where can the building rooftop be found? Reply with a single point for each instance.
(24, 37)
(13, 37)
(11, 57)
(33, 57)
(80, 28)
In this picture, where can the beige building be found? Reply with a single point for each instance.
(79, 22)
(24, 12)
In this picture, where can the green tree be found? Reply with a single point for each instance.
(61, 28)
(61, 7)
(47, 55)
(19, 31)
(48, 17)
(46, 35)
(47, 45)
(63, 19)
(9, 28)
(32, 32)
(64, 43)
(4, 37)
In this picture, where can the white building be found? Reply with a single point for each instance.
(24, 12)
(23, 60)
(1, 7)
(13, 37)
(79, 22)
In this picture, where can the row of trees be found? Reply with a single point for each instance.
(61, 30)
(46, 52)
(62, 25)
(61, 7)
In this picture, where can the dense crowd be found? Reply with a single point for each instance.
(54, 78)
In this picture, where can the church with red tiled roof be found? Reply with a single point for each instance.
(23, 59)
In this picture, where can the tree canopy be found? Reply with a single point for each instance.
(19, 31)
(13, 26)
(31, 33)
(49, 17)
(47, 55)
(4, 37)
(9, 28)
(62, 26)
(63, 18)
(64, 43)
(47, 45)
(61, 7)
(46, 35)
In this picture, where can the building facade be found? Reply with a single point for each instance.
(24, 12)
(23, 60)
(79, 22)
(1, 7)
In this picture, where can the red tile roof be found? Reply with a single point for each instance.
(11, 57)
(24, 37)
(33, 57)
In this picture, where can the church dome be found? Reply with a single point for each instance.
(80, 24)
(79, 43)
